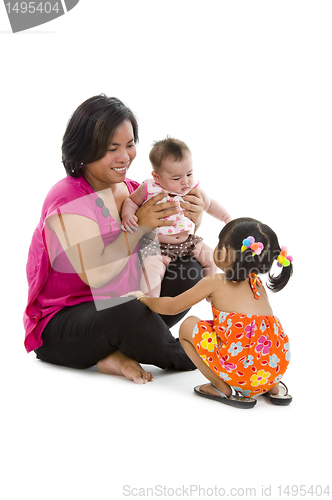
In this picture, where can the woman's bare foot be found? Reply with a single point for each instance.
(119, 364)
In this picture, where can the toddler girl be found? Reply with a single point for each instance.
(244, 350)
(173, 175)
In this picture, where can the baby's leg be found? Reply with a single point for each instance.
(185, 336)
(204, 254)
(153, 270)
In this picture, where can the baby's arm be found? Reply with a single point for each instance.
(129, 208)
(214, 208)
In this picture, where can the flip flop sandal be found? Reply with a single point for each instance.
(234, 400)
(281, 399)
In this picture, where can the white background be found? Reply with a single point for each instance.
(247, 84)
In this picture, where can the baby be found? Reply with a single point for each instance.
(173, 175)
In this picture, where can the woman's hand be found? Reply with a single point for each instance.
(151, 214)
(194, 208)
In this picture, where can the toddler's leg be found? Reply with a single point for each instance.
(204, 254)
(153, 270)
(275, 389)
(185, 336)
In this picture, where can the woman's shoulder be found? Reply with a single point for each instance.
(64, 192)
(68, 188)
(131, 185)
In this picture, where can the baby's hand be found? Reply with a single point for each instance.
(129, 223)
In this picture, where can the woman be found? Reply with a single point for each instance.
(80, 263)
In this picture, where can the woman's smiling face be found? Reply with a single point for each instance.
(112, 168)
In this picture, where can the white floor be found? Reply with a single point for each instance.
(80, 434)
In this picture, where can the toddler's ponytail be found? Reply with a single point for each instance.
(277, 283)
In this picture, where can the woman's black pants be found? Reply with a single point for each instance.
(79, 336)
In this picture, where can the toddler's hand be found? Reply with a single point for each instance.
(136, 294)
(129, 223)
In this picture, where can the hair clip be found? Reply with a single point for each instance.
(249, 242)
(283, 259)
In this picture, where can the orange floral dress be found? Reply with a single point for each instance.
(249, 352)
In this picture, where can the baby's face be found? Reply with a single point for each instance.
(176, 176)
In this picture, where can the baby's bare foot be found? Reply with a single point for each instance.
(119, 364)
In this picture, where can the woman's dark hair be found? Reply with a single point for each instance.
(90, 130)
(232, 235)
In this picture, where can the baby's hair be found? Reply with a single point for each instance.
(232, 235)
(166, 148)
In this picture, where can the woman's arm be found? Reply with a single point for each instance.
(95, 263)
(174, 305)
(81, 240)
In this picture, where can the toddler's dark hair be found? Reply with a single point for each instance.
(232, 235)
(167, 148)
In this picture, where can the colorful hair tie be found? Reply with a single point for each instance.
(249, 242)
(284, 260)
